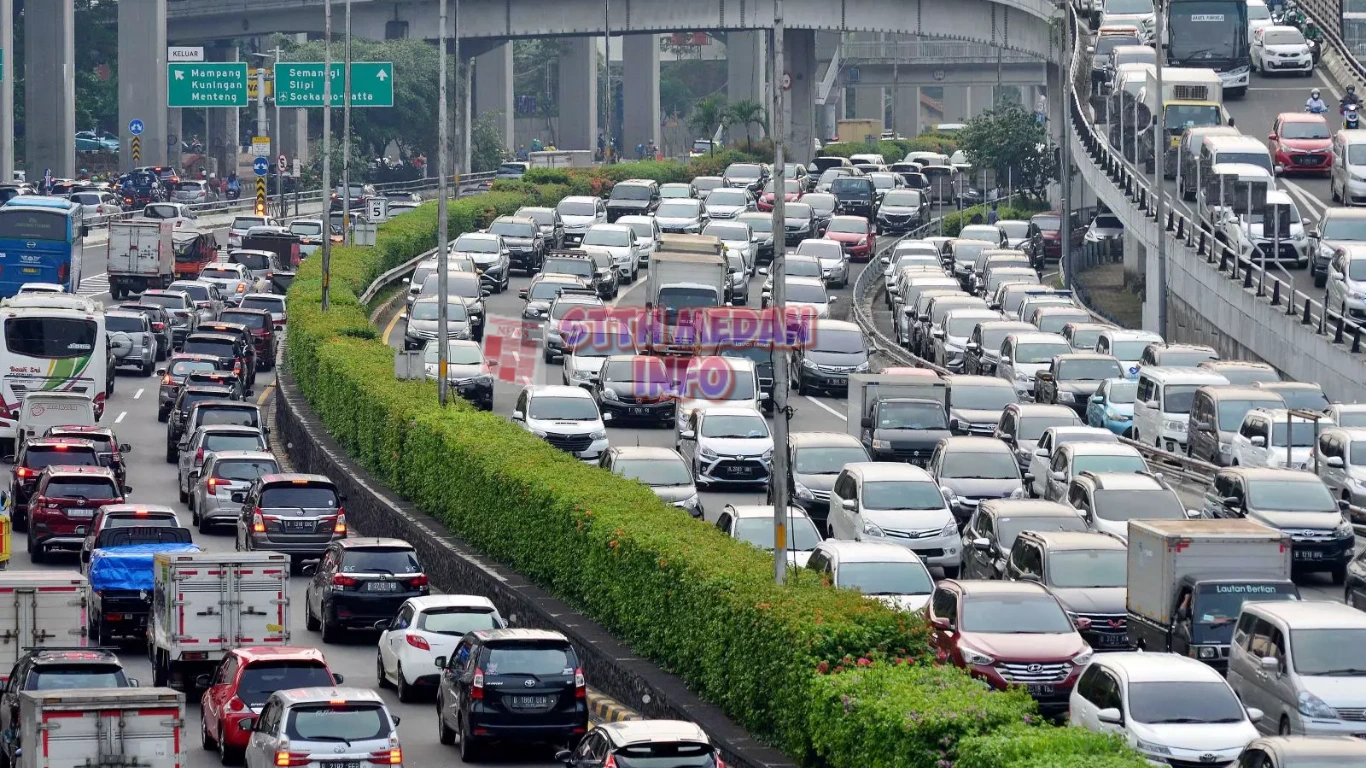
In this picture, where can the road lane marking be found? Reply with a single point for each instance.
(119, 420)
(138, 393)
(827, 408)
(265, 393)
(1306, 197)
(389, 329)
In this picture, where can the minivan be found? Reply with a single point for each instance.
(41, 410)
(1162, 407)
(1216, 415)
(1347, 176)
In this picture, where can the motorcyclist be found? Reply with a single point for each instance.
(1315, 103)
(1350, 99)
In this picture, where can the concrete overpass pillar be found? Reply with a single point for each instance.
(493, 88)
(640, 91)
(799, 49)
(578, 95)
(957, 100)
(906, 120)
(222, 134)
(870, 103)
(50, 99)
(829, 119)
(173, 128)
(746, 68)
(142, 50)
(7, 91)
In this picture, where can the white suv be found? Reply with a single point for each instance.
(896, 504)
(1347, 280)
(566, 417)
(241, 224)
(1340, 465)
(1263, 438)
(351, 726)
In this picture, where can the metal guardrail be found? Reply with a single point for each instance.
(915, 51)
(1327, 15)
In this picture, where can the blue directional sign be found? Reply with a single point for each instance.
(135, 127)
(261, 165)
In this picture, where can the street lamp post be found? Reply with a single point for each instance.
(780, 380)
(346, 133)
(443, 155)
(327, 153)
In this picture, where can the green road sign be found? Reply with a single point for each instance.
(300, 84)
(207, 84)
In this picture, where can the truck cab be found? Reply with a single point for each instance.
(898, 417)
(1188, 98)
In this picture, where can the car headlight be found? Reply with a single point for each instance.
(1117, 416)
(882, 445)
(1151, 748)
(807, 363)
(1083, 658)
(1175, 426)
(610, 394)
(1345, 530)
(1066, 397)
(706, 453)
(531, 312)
(1207, 652)
(538, 433)
(803, 492)
(691, 502)
(598, 434)
(872, 530)
(1023, 376)
(950, 530)
(862, 367)
(580, 374)
(862, 241)
(766, 455)
(975, 658)
(1310, 705)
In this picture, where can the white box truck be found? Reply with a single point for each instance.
(40, 608)
(141, 255)
(1188, 579)
(84, 728)
(887, 414)
(207, 603)
(688, 273)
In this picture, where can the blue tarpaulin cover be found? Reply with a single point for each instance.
(128, 567)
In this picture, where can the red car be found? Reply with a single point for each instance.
(1010, 633)
(245, 678)
(855, 234)
(1046, 236)
(792, 193)
(64, 504)
(1300, 142)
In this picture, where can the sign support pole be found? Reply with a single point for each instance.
(327, 154)
(346, 133)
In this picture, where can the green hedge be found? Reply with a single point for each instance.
(893, 150)
(696, 602)
(1017, 208)
(598, 180)
(1046, 746)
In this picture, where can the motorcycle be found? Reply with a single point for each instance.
(1319, 110)
(1350, 118)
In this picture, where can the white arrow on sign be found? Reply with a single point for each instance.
(179, 75)
(382, 77)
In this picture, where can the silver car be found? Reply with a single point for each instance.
(223, 474)
(330, 726)
(193, 192)
(210, 439)
(132, 340)
(296, 514)
(233, 280)
(422, 321)
(208, 300)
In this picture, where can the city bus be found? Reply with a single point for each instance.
(49, 342)
(40, 242)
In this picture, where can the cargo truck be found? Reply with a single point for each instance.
(141, 255)
(92, 727)
(688, 274)
(121, 579)
(40, 608)
(1188, 579)
(858, 131)
(899, 416)
(205, 604)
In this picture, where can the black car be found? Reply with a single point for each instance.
(174, 374)
(632, 197)
(46, 669)
(522, 685)
(180, 411)
(230, 351)
(635, 388)
(244, 334)
(902, 210)
(360, 583)
(524, 241)
(107, 447)
(856, 196)
(762, 224)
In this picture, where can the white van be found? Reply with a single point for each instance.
(41, 410)
(1347, 176)
(1163, 405)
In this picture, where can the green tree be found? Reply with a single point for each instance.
(1013, 141)
(706, 115)
(486, 144)
(744, 114)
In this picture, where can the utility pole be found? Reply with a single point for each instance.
(443, 157)
(279, 134)
(607, 45)
(327, 154)
(780, 382)
(346, 133)
(1063, 102)
(1160, 141)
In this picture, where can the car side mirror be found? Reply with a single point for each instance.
(1255, 715)
(1097, 398)
(1271, 137)
(763, 271)
(832, 300)
(1344, 505)
(161, 371)
(384, 624)
(309, 570)
(849, 504)
(1057, 476)
(247, 724)
(1150, 404)
(972, 346)
(203, 681)
(1258, 441)
(1193, 514)
(687, 434)
(1082, 623)
(1231, 501)
(866, 422)
(485, 293)
(133, 682)
(1335, 462)
(1006, 359)
(518, 416)
(981, 544)
(941, 623)
(1110, 716)
(125, 448)
(1270, 664)
(563, 756)
(522, 293)
(127, 489)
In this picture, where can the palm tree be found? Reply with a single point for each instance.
(706, 115)
(746, 113)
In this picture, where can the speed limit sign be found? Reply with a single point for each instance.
(282, 162)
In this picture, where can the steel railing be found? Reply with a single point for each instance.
(917, 51)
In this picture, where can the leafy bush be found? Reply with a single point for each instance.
(894, 150)
(1017, 208)
(1046, 746)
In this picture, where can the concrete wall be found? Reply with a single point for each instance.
(50, 99)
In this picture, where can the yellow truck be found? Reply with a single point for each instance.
(1190, 98)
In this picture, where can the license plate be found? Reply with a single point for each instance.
(737, 470)
(381, 586)
(340, 764)
(1310, 554)
(530, 702)
(1112, 641)
(80, 514)
(297, 526)
(1040, 690)
(636, 410)
(30, 270)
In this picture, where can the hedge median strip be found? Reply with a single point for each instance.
(696, 602)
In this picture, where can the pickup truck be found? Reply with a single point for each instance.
(121, 578)
(898, 417)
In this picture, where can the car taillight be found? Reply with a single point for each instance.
(258, 522)
(610, 762)
(199, 456)
(215, 482)
(418, 581)
(158, 326)
(339, 526)
(285, 758)
(237, 369)
(387, 757)
(477, 687)
(580, 685)
(418, 641)
(719, 762)
(236, 705)
(344, 581)
(25, 472)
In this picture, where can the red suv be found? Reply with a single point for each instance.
(63, 506)
(245, 678)
(107, 445)
(36, 455)
(1010, 633)
(262, 328)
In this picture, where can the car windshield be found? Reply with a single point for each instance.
(1089, 370)
(630, 192)
(1137, 504)
(1014, 229)
(802, 268)
(1301, 433)
(1285, 495)
(1015, 614)
(849, 226)
(1231, 412)
(457, 353)
(559, 408)
(196, 292)
(343, 723)
(1132, 349)
(761, 223)
(245, 470)
(656, 473)
(982, 397)
(165, 302)
(243, 223)
(992, 465)
(123, 324)
(806, 293)
(39, 456)
(1048, 223)
(576, 208)
(1327, 651)
(306, 228)
(961, 327)
(735, 426)
(646, 370)
(428, 310)
(719, 385)
(728, 197)
(1304, 398)
(1177, 398)
(821, 203)
(908, 198)
(797, 211)
(678, 209)
(185, 367)
(299, 496)
(249, 319)
(545, 290)
(895, 578)
(81, 488)
(910, 415)
(743, 171)
(582, 309)
(851, 186)
(533, 659)
(1040, 352)
(610, 237)
(645, 230)
(383, 561)
(456, 621)
(1301, 129)
(259, 680)
(221, 414)
(1084, 568)
(141, 521)
(838, 341)
(66, 677)
(1108, 463)
(468, 244)
(1032, 427)
(758, 532)
(992, 338)
(820, 249)
(1344, 227)
(268, 303)
(1187, 701)
(827, 460)
(902, 494)
(599, 343)
(1009, 528)
(233, 442)
(731, 232)
(1186, 358)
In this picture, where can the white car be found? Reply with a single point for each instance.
(911, 257)
(1262, 440)
(1170, 708)
(583, 362)
(1348, 414)
(737, 237)
(727, 203)
(579, 212)
(808, 294)
(647, 236)
(565, 417)
(238, 229)
(424, 629)
(753, 524)
(1023, 355)
(1162, 404)
(97, 203)
(619, 240)
(1347, 281)
(1258, 18)
(716, 380)
(31, 288)
(1126, 346)
(1052, 438)
(726, 444)
(337, 725)
(233, 280)
(1281, 49)
(897, 504)
(833, 258)
(681, 216)
(889, 573)
(1341, 457)
(310, 232)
